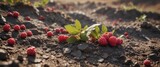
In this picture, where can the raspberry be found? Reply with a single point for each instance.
(63, 31)
(23, 27)
(10, 14)
(125, 33)
(27, 18)
(109, 34)
(6, 28)
(31, 51)
(15, 14)
(102, 41)
(112, 41)
(62, 38)
(29, 33)
(119, 41)
(105, 36)
(41, 17)
(147, 63)
(58, 30)
(16, 27)
(11, 41)
(49, 33)
(127, 36)
(23, 35)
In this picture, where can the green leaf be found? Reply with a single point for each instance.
(36, 4)
(71, 29)
(90, 29)
(95, 35)
(71, 39)
(44, 2)
(78, 24)
(83, 37)
(104, 28)
(10, 1)
(97, 29)
(85, 27)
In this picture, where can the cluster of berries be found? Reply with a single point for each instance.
(14, 14)
(60, 30)
(109, 38)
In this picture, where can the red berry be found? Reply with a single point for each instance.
(110, 34)
(15, 14)
(6, 27)
(127, 36)
(27, 18)
(119, 41)
(62, 38)
(58, 30)
(49, 33)
(102, 41)
(125, 33)
(10, 14)
(41, 17)
(105, 36)
(64, 31)
(16, 27)
(112, 41)
(11, 41)
(31, 51)
(147, 63)
(23, 27)
(23, 34)
(29, 33)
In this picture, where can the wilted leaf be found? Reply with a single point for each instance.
(78, 24)
(71, 29)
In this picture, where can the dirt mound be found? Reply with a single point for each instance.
(128, 15)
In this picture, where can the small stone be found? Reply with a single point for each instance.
(105, 55)
(3, 55)
(153, 56)
(128, 62)
(77, 53)
(136, 64)
(100, 60)
(29, 25)
(66, 50)
(82, 46)
(14, 63)
(2, 20)
(59, 55)
(34, 60)
(4, 64)
(36, 32)
(20, 58)
(4, 36)
(46, 65)
(45, 56)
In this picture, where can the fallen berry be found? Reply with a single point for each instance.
(15, 14)
(105, 36)
(23, 35)
(23, 27)
(58, 30)
(41, 17)
(112, 41)
(102, 41)
(31, 51)
(29, 33)
(49, 33)
(127, 36)
(10, 14)
(62, 38)
(11, 41)
(16, 27)
(147, 63)
(125, 33)
(119, 41)
(6, 27)
(109, 34)
(27, 18)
